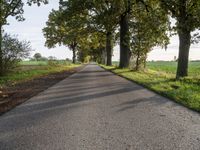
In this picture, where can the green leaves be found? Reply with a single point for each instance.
(12, 51)
(148, 29)
(14, 8)
(186, 13)
(38, 2)
(11, 8)
(63, 28)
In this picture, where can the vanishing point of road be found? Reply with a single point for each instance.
(97, 110)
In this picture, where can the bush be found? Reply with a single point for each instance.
(53, 63)
(52, 58)
(13, 51)
(37, 56)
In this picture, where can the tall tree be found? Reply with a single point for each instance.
(126, 10)
(56, 32)
(148, 29)
(186, 13)
(125, 52)
(104, 19)
(101, 18)
(62, 28)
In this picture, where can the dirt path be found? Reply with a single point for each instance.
(97, 110)
(13, 95)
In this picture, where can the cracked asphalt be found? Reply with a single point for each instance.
(97, 110)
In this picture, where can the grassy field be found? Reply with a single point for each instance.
(43, 63)
(160, 77)
(28, 70)
(31, 63)
(170, 67)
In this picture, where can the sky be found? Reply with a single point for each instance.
(36, 17)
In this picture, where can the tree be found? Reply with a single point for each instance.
(148, 29)
(186, 13)
(37, 56)
(101, 17)
(12, 8)
(93, 47)
(104, 20)
(63, 28)
(110, 15)
(126, 10)
(125, 52)
(13, 51)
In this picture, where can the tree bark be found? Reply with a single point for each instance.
(103, 57)
(184, 47)
(1, 53)
(73, 47)
(74, 55)
(125, 52)
(145, 61)
(109, 48)
(137, 67)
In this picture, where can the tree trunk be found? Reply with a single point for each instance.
(103, 57)
(74, 55)
(137, 67)
(145, 61)
(109, 48)
(125, 53)
(1, 53)
(184, 47)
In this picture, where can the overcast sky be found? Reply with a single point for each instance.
(36, 17)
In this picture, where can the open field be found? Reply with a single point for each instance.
(43, 63)
(170, 67)
(160, 77)
(28, 70)
(39, 63)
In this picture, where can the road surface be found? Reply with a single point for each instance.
(97, 110)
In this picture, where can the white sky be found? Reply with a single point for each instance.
(36, 17)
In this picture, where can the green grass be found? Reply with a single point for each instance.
(43, 63)
(31, 63)
(160, 77)
(170, 67)
(29, 70)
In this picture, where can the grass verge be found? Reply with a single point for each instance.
(26, 84)
(185, 91)
(25, 73)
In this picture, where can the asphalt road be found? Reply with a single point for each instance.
(96, 110)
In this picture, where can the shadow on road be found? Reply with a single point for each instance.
(72, 93)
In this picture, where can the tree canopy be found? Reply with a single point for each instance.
(92, 28)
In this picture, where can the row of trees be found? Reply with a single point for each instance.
(92, 28)
(39, 57)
